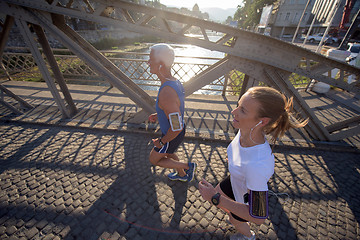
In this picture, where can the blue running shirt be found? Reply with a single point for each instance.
(162, 118)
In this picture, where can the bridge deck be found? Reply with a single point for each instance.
(208, 116)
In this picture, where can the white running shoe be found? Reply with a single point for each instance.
(240, 236)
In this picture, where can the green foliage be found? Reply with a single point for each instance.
(299, 81)
(237, 79)
(249, 14)
(35, 79)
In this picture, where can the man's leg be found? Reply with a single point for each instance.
(165, 160)
(181, 171)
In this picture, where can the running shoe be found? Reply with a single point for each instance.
(175, 176)
(239, 236)
(191, 171)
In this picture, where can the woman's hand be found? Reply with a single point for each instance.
(206, 190)
(153, 118)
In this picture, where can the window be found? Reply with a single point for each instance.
(287, 16)
(295, 19)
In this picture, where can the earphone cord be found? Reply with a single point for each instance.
(277, 195)
(251, 132)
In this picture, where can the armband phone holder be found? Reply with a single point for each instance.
(258, 204)
(175, 121)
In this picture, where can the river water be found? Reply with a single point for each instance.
(192, 55)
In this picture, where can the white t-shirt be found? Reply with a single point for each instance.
(249, 167)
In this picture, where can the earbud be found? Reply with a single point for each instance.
(258, 124)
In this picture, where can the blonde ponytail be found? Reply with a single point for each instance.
(278, 108)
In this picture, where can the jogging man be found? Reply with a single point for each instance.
(170, 114)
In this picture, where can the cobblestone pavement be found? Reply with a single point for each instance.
(72, 183)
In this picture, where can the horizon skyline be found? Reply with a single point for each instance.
(226, 4)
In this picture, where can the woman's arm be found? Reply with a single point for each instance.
(239, 209)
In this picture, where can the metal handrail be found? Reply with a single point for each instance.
(21, 66)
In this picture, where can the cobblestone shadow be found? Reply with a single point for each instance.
(75, 184)
(323, 196)
(71, 183)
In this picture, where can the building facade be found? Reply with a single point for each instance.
(287, 17)
(318, 15)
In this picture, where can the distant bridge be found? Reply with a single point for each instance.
(260, 58)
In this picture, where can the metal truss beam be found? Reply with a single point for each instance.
(29, 39)
(85, 51)
(55, 68)
(9, 21)
(314, 126)
(260, 57)
(172, 26)
(24, 105)
(207, 76)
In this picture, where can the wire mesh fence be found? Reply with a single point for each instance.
(21, 66)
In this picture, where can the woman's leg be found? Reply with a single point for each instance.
(241, 227)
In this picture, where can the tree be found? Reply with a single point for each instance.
(228, 20)
(249, 14)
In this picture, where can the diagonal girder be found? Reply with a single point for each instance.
(269, 75)
(278, 79)
(24, 105)
(173, 26)
(55, 68)
(29, 39)
(88, 53)
(6, 27)
(207, 76)
(314, 126)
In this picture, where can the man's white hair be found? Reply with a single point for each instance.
(163, 53)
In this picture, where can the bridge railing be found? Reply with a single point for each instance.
(21, 66)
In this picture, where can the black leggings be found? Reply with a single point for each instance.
(225, 186)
